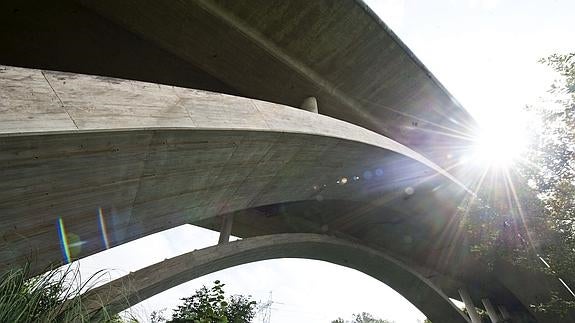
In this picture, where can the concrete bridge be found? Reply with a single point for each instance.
(152, 139)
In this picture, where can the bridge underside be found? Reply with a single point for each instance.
(278, 51)
(106, 161)
(150, 157)
(101, 161)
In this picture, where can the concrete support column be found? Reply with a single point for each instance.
(471, 310)
(226, 228)
(491, 311)
(310, 104)
(504, 313)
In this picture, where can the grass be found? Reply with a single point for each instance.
(50, 297)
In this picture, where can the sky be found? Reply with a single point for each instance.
(485, 53)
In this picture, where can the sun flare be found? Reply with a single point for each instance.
(499, 146)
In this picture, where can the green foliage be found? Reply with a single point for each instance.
(496, 224)
(556, 305)
(536, 216)
(117, 319)
(483, 316)
(553, 154)
(211, 306)
(50, 297)
(554, 176)
(157, 316)
(564, 64)
(362, 318)
(240, 309)
(367, 318)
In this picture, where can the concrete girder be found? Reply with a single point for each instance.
(310, 104)
(491, 311)
(226, 229)
(274, 50)
(150, 157)
(137, 286)
(61, 102)
(471, 310)
(505, 313)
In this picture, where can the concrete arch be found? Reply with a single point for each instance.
(115, 160)
(144, 283)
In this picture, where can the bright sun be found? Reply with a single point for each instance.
(499, 146)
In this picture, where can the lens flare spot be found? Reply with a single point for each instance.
(367, 175)
(74, 245)
(63, 241)
(103, 230)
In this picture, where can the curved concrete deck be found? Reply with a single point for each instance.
(147, 282)
(150, 157)
(42, 102)
(88, 163)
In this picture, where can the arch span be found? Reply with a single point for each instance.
(112, 160)
(147, 282)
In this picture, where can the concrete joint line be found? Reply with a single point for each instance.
(59, 99)
(276, 52)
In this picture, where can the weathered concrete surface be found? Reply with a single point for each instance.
(150, 157)
(147, 282)
(346, 57)
(153, 157)
(36, 101)
(274, 50)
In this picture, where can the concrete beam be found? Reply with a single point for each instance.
(57, 102)
(471, 310)
(152, 157)
(491, 311)
(226, 228)
(504, 313)
(144, 283)
(310, 104)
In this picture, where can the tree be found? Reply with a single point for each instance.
(362, 318)
(210, 306)
(553, 177)
(367, 318)
(157, 316)
(536, 217)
